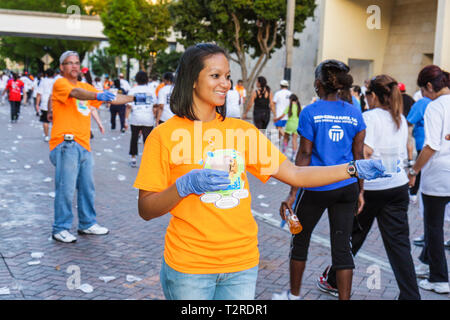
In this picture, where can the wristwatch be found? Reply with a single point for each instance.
(412, 172)
(351, 169)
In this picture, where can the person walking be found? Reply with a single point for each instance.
(140, 113)
(233, 105)
(434, 162)
(211, 246)
(44, 92)
(163, 107)
(293, 113)
(281, 101)
(118, 109)
(70, 150)
(332, 132)
(262, 102)
(386, 199)
(242, 93)
(14, 87)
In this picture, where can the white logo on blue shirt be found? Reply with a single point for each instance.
(336, 133)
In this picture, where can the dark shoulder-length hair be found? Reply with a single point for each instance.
(189, 67)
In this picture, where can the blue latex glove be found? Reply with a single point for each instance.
(371, 169)
(199, 181)
(105, 96)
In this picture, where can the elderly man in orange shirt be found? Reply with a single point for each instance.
(70, 150)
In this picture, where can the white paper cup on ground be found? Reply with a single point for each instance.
(389, 157)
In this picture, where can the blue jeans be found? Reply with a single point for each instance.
(216, 286)
(73, 171)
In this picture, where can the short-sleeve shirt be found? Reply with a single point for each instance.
(15, 88)
(435, 179)
(213, 232)
(70, 115)
(331, 127)
(382, 131)
(142, 109)
(164, 99)
(233, 106)
(45, 90)
(415, 117)
(281, 100)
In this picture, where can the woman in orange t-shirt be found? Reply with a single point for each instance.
(194, 165)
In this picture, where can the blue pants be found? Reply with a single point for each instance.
(73, 171)
(215, 286)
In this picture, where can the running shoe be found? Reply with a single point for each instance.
(64, 236)
(438, 287)
(324, 286)
(447, 244)
(422, 270)
(133, 163)
(95, 230)
(285, 295)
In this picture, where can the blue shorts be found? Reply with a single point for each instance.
(280, 123)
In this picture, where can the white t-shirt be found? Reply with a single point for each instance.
(142, 109)
(35, 86)
(164, 99)
(382, 131)
(435, 180)
(125, 85)
(281, 100)
(27, 83)
(45, 90)
(153, 85)
(233, 108)
(3, 81)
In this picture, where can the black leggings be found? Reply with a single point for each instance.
(390, 208)
(433, 252)
(120, 109)
(15, 109)
(135, 136)
(261, 118)
(342, 205)
(415, 188)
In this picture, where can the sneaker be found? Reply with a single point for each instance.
(422, 270)
(47, 139)
(324, 286)
(133, 163)
(413, 198)
(447, 244)
(285, 295)
(438, 287)
(95, 230)
(64, 236)
(419, 241)
(122, 130)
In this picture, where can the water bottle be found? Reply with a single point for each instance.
(293, 223)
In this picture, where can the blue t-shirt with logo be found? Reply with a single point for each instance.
(331, 127)
(415, 117)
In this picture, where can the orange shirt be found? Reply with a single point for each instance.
(214, 232)
(70, 115)
(162, 84)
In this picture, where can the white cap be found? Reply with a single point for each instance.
(67, 54)
(284, 83)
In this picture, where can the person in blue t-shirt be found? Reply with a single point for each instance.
(415, 117)
(332, 132)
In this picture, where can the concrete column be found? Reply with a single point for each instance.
(442, 41)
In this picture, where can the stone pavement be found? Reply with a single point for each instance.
(134, 247)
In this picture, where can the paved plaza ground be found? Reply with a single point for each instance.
(132, 251)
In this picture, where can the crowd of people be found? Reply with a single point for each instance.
(198, 147)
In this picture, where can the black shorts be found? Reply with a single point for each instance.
(43, 117)
(342, 206)
(261, 118)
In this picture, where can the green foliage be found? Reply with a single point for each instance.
(103, 62)
(166, 62)
(30, 50)
(244, 27)
(136, 28)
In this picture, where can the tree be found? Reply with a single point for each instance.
(136, 28)
(103, 63)
(166, 62)
(30, 50)
(254, 28)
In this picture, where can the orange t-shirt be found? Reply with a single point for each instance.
(214, 232)
(162, 84)
(70, 115)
